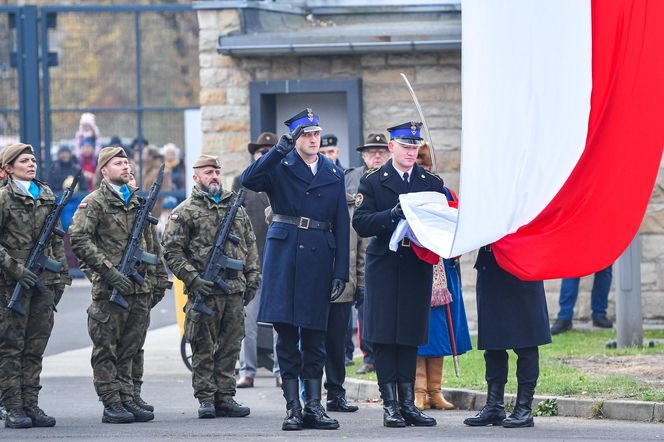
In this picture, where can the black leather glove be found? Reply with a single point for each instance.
(200, 286)
(338, 287)
(157, 296)
(397, 213)
(249, 295)
(287, 142)
(117, 280)
(26, 278)
(359, 297)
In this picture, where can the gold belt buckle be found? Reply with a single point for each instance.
(405, 242)
(304, 223)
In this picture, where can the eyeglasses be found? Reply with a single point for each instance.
(371, 152)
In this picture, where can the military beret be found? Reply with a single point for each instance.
(108, 153)
(329, 140)
(207, 161)
(11, 152)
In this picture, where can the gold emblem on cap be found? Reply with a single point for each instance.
(359, 199)
(413, 128)
(310, 114)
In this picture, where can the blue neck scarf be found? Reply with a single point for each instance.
(33, 190)
(126, 193)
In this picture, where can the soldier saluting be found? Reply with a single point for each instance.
(306, 260)
(100, 232)
(25, 203)
(215, 336)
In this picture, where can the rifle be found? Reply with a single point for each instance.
(133, 255)
(217, 260)
(37, 260)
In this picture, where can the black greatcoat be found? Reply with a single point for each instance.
(511, 313)
(397, 284)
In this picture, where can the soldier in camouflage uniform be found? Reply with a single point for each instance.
(24, 206)
(215, 340)
(99, 232)
(160, 283)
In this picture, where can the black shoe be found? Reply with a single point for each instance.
(3, 412)
(313, 415)
(16, 418)
(411, 414)
(366, 368)
(293, 420)
(493, 412)
(140, 414)
(340, 404)
(522, 415)
(39, 418)
(141, 403)
(392, 417)
(602, 322)
(561, 326)
(117, 414)
(206, 410)
(230, 408)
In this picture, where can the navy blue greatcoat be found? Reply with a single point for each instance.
(397, 284)
(299, 264)
(511, 313)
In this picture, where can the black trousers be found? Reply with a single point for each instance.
(335, 348)
(395, 363)
(365, 346)
(527, 366)
(305, 362)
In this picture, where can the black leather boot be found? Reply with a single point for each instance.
(392, 417)
(411, 414)
(340, 404)
(141, 403)
(522, 415)
(140, 414)
(293, 420)
(206, 410)
(116, 414)
(16, 418)
(230, 408)
(493, 412)
(39, 418)
(314, 415)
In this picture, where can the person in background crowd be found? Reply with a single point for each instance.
(134, 152)
(88, 162)
(62, 168)
(175, 166)
(374, 155)
(329, 148)
(255, 204)
(152, 161)
(87, 133)
(3, 181)
(115, 141)
(446, 290)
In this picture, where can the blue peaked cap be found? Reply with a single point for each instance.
(408, 133)
(307, 119)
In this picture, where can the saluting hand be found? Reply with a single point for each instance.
(287, 141)
(338, 287)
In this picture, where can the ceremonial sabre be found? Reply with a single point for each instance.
(424, 121)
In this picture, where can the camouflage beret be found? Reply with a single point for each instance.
(207, 161)
(11, 152)
(107, 154)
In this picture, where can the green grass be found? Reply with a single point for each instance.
(557, 378)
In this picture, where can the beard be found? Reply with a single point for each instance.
(213, 189)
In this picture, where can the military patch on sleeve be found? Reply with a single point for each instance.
(83, 205)
(173, 217)
(359, 199)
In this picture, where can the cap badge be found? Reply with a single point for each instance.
(310, 115)
(377, 138)
(413, 128)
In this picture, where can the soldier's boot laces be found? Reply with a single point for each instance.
(16, 418)
(141, 403)
(140, 414)
(39, 418)
(392, 417)
(293, 420)
(493, 412)
(116, 414)
(411, 414)
(313, 415)
(522, 415)
(230, 408)
(206, 410)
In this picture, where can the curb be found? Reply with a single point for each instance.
(361, 390)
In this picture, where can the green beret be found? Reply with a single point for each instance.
(11, 152)
(207, 161)
(108, 153)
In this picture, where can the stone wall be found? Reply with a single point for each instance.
(436, 77)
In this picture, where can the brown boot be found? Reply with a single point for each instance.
(421, 399)
(434, 381)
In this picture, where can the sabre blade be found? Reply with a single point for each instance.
(424, 121)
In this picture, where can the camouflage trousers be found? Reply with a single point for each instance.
(137, 363)
(117, 335)
(23, 340)
(215, 345)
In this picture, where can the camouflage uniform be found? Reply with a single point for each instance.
(99, 232)
(23, 339)
(215, 340)
(160, 283)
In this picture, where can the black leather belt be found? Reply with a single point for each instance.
(302, 222)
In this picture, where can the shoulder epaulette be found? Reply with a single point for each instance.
(371, 171)
(433, 175)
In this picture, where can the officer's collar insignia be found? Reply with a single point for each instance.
(310, 115)
(413, 128)
(359, 199)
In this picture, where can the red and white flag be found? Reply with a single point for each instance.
(563, 130)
